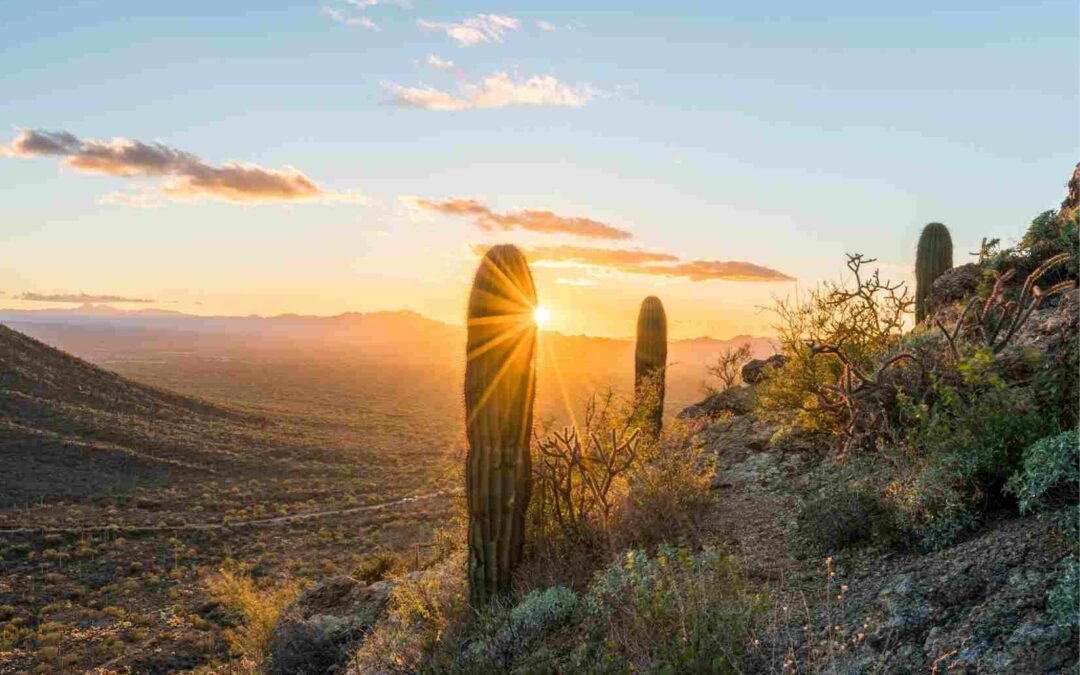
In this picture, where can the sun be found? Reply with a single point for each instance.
(542, 316)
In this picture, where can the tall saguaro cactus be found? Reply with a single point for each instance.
(650, 363)
(933, 257)
(500, 387)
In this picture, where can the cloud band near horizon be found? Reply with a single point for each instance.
(635, 261)
(79, 298)
(191, 177)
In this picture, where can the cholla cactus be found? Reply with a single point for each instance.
(650, 363)
(932, 259)
(500, 387)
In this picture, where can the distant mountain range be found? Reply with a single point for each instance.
(405, 324)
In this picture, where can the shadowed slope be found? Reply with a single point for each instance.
(70, 429)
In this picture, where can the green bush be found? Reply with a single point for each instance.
(1048, 235)
(959, 450)
(1049, 485)
(847, 510)
(1049, 481)
(516, 632)
(679, 611)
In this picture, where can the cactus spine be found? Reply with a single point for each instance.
(500, 386)
(650, 363)
(933, 257)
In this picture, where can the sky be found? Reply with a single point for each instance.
(358, 155)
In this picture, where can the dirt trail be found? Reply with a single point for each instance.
(754, 501)
(278, 520)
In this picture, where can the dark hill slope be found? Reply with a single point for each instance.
(69, 429)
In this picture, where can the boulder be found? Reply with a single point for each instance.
(759, 370)
(955, 285)
(313, 635)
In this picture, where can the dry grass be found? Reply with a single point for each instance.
(259, 607)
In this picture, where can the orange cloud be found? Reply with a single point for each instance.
(78, 297)
(603, 257)
(530, 220)
(192, 177)
(633, 261)
(727, 270)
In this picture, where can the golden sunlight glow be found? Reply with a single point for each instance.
(542, 316)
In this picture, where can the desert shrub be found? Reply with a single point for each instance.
(258, 606)
(864, 314)
(1049, 482)
(667, 494)
(380, 565)
(1048, 234)
(728, 367)
(846, 511)
(608, 486)
(1056, 384)
(1049, 485)
(959, 453)
(426, 619)
(512, 634)
(677, 611)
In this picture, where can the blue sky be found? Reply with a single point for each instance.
(782, 134)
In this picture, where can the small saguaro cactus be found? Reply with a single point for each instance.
(650, 363)
(933, 257)
(500, 387)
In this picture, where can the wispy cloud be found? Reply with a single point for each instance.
(635, 261)
(439, 63)
(190, 177)
(347, 19)
(545, 26)
(530, 220)
(727, 270)
(480, 29)
(497, 91)
(78, 297)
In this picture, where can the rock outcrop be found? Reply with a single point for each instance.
(313, 636)
(955, 285)
(758, 370)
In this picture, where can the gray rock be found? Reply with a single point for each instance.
(955, 285)
(313, 635)
(759, 370)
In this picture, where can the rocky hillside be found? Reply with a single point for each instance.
(979, 606)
